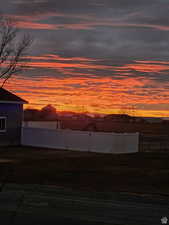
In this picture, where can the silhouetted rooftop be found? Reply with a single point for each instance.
(8, 97)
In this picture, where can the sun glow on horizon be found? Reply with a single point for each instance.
(79, 88)
(75, 94)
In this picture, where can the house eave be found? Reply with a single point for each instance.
(14, 102)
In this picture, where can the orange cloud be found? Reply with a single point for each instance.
(84, 22)
(55, 65)
(145, 67)
(89, 92)
(102, 95)
(37, 26)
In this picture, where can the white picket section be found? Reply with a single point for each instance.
(81, 140)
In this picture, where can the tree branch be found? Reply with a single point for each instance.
(11, 49)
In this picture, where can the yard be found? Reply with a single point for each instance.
(137, 172)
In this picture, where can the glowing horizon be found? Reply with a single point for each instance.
(84, 91)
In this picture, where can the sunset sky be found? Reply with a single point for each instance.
(103, 56)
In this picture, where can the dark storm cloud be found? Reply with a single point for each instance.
(118, 29)
(75, 6)
(105, 43)
(46, 6)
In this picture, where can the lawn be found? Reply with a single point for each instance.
(137, 172)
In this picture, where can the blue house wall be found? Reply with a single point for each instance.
(13, 113)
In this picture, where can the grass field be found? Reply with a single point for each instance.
(138, 172)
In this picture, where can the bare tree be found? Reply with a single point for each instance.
(12, 49)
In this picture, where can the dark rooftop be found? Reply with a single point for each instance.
(6, 96)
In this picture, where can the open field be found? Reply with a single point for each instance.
(138, 172)
(46, 204)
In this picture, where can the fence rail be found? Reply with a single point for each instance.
(81, 140)
(154, 143)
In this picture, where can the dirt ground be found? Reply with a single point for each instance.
(138, 172)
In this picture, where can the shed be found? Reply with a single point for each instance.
(11, 116)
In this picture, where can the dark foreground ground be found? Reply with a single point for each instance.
(45, 204)
(146, 173)
(42, 186)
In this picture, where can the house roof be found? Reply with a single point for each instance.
(8, 97)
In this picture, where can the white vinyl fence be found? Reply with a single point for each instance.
(81, 140)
